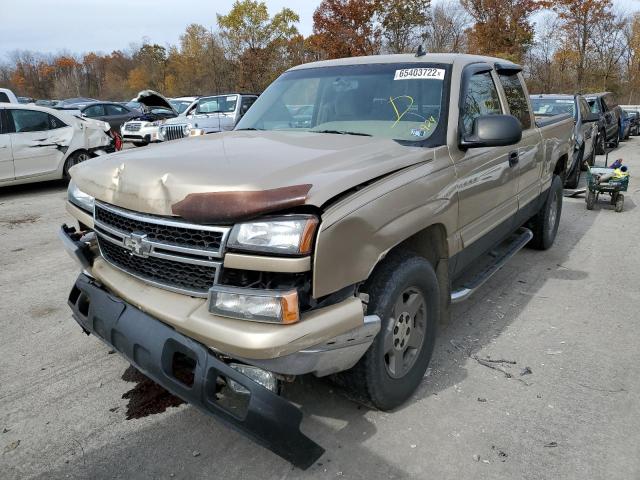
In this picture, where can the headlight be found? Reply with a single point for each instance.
(272, 306)
(285, 235)
(79, 198)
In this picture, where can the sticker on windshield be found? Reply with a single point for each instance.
(419, 74)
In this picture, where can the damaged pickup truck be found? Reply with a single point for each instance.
(39, 143)
(222, 266)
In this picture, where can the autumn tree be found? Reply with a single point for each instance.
(347, 28)
(579, 21)
(403, 23)
(446, 26)
(253, 39)
(502, 27)
(151, 69)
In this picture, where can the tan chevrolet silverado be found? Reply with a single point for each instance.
(327, 234)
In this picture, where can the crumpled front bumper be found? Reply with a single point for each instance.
(150, 346)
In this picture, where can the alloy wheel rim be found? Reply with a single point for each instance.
(405, 333)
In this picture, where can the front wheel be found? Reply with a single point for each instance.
(545, 224)
(74, 159)
(404, 293)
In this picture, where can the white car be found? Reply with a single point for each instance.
(39, 143)
(145, 128)
(7, 96)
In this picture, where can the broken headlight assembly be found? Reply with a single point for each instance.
(79, 198)
(287, 235)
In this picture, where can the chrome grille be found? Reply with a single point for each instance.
(168, 253)
(172, 132)
(133, 127)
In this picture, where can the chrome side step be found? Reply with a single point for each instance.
(500, 255)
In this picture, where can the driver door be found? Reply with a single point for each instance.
(487, 176)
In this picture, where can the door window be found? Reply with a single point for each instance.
(116, 110)
(516, 99)
(94, 111)
(29, 121)
(481, 98)
(246, 103)
(4, 97)
(55, 122)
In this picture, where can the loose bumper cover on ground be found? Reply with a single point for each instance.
(151, 346)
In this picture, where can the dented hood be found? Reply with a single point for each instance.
(241, 173)
(153, 99)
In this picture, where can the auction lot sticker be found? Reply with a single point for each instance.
(419, 74)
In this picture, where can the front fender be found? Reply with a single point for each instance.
(355, 235)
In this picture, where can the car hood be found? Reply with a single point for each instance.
(241, 172)
(153, 100)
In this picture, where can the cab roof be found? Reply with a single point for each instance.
(446, 58)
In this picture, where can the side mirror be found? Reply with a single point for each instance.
(592, 117)
(493, 131)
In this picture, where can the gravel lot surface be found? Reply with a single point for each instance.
(570, 315)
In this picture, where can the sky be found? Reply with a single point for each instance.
(77, 26)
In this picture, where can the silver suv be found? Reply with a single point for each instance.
(211, 114)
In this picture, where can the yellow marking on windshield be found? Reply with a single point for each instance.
(392, 101)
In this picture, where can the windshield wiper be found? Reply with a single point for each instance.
(341, 132)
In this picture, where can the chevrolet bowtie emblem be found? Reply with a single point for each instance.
(138, 244)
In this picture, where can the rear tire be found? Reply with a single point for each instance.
(620, 203)
(544, 224)
(74, 159)
(591, 200)
(404, 293)
(601, 143)
(574, 177)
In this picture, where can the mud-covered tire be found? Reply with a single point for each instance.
(589, 161)
(544, 224)
(74, 159)
(574, 177)
(371, 380)
(601, 143)
(619, 203)
(591, 200)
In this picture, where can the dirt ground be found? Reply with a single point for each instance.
(568, 317)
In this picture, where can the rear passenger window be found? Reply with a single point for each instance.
(516, 99)
(29, 121)
(55, 122)
(115, 110)
(481, 98)
(4, 98)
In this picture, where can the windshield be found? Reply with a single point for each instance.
(217, 104)
(397, 101)
(179, 105)
(546, 107)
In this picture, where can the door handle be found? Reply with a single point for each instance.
(514, 158)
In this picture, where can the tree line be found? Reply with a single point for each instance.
(565, 46)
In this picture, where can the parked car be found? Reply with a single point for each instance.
(211, 114)
(77, 103)
(7, 96)
(585, 128)
(46, 103)
(145, 128)
(610, 124)
(111, 112)
(231, 262)
(634, 121)
(625, 126)
(182, 103)
(38, 143)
